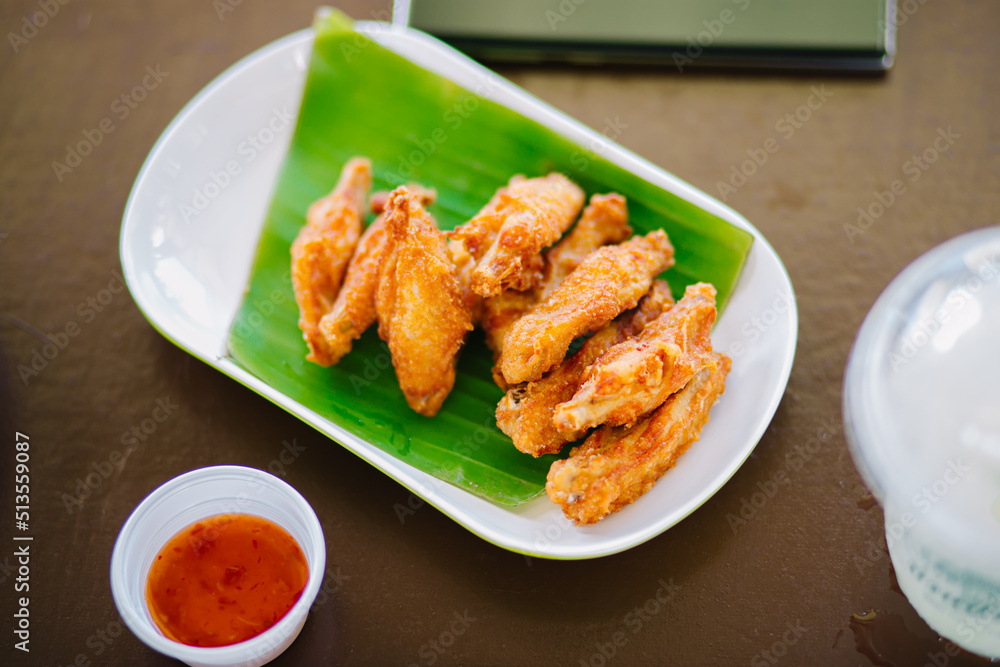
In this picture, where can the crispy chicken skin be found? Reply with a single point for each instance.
(464, 264)
(379, 200)
(637, 375)
(609, 281)
(324, 247)
(422, 313)
(605, 220)
(525, 412)
(479, 232)
(616, 464)
(354, 310)
(507, 236)
(501, 311)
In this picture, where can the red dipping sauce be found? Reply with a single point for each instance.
(225, 579)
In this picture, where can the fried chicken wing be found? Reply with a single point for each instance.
(605, 220)
(499, 314)
(616, 464)
(635, 376)
(323, 248)
(610, 280)
(420, 305)
(354, 310)
(507, 236)
(479, 232)
(525, 412)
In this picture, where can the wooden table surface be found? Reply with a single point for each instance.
(781, 587)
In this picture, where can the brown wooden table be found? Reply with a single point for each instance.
(781, 587)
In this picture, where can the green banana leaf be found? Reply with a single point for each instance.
(361, 99)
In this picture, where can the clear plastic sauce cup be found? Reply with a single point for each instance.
(189, 498)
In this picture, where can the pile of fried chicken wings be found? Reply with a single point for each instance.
(643, 375)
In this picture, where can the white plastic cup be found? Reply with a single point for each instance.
(197, 495)
(922, 417)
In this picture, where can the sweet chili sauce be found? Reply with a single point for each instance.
(225, 579)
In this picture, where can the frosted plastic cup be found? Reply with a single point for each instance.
(189, 498)
(922, 417)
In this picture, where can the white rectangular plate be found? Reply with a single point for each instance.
(190, 231)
